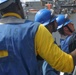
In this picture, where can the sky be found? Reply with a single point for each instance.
(29, 0)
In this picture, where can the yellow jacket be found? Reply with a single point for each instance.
(47, 49)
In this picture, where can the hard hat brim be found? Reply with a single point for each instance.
(49, 21)
(64, 24)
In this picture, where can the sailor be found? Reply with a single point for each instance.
(65, 28)
(52, 27)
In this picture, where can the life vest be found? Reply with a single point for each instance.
(18, 40)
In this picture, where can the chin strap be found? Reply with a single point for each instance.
(69, 29)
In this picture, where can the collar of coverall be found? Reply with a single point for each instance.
(12, 14)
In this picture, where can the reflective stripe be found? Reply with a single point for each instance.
(3, 53)
(12, 14)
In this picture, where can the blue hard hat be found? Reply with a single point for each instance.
(62, 20)
(44, 16)
(5, 3)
